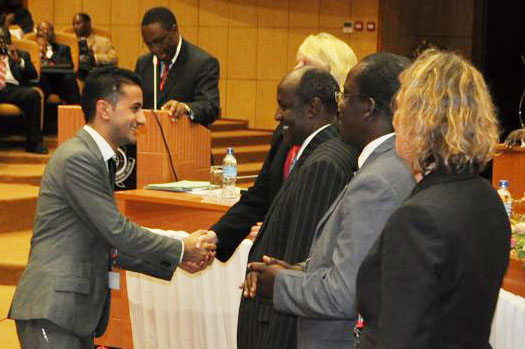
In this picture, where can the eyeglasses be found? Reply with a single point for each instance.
(340, 96)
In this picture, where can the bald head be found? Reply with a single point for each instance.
(46, 31)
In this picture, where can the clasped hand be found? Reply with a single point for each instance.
(261, 276)
(199, 250)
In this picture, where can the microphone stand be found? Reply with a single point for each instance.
(155, 63)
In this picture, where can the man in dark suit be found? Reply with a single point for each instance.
(187, 76)
(323, 165)
(18, 72)
(62, 299)
(321, 292)
(53, 54)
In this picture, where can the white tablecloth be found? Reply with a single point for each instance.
(191, 311)
(200, 311)
(508, 326)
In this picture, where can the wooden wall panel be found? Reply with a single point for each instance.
(255, 40)
(99, 10)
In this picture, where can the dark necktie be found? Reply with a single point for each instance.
(112, 167)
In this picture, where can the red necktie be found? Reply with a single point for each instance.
(290, 158)
(2, 73)
(163, 77)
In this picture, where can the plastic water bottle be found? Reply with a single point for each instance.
(504, 193)
(229, 175)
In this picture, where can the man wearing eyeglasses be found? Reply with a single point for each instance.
(321, 291)
(187, 76)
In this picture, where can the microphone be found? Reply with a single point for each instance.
(155, 63)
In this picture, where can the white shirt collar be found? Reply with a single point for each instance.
(370, 147)
(104, 147)
(308, 140)
(174, 59)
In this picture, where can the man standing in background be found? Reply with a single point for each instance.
(187, 76)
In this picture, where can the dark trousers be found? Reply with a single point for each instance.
(43, 334)
(64, 85)
(30, 101)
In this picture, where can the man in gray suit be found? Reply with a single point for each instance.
(62, 299)
(321, 291)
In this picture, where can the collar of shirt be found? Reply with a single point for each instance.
(104, 147)
(370, 147)
(174, 59)
(308, 140)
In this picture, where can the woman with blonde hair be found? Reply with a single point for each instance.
(432, 278)
(325, 51)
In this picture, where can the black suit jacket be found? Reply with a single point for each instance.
(193, 79)
(235, 225)
(322, 171)
(25, 74)
(61, 54)
(432, 278)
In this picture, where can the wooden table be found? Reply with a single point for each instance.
(163, 210)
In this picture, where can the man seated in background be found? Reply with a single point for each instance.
(187, 76)
(53, 54)
(16, 13)
(16, 70)
(94, 50)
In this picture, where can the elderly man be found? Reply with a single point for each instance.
(187, 76)
(321, 292)
(322, 167)
(55, 55)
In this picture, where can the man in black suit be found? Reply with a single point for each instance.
(322, 167)
(19, 71)
(53, 54)
(187, 76)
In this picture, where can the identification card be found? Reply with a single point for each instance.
(114, 280)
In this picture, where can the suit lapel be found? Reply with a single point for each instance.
(383, 148)
(172, 73)
(326, 134)
(93, 147)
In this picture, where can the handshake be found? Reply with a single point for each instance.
(199, 250)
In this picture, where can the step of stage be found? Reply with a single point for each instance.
(243, 154)
(18, 142)
(240, 138)
(228, 125)
(14, 249)
(17, 206)
(21, 173)
(8, 337)
(19, 156)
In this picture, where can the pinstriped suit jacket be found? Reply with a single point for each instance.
(321, 172)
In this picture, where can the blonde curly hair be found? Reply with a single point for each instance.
(445, 114)
(328, 52)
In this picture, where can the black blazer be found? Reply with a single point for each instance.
(193, 79)
(28, 72)
(432, 278)
(322, 171)
(61, 54)
(235, 225)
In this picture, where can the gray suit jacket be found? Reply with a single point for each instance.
(76, 225)
(324, 295)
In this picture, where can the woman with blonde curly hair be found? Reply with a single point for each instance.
(432, 278)
(325, 51)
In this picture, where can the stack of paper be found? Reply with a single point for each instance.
(180, 186)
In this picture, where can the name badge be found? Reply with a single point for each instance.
(114, 280)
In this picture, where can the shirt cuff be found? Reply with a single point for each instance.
(181, 251)
(191, 114)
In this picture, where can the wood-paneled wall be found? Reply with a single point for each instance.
(254, 40)
(451, 24)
